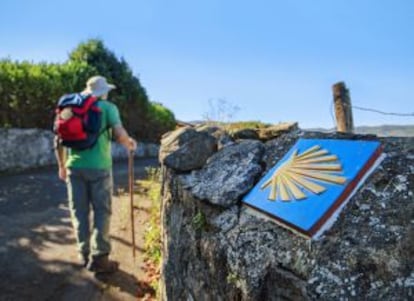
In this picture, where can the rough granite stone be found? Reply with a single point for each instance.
(245, 134)
(277, 130)
(228, 174)
(234, 255)
(222, 137)
(186, 149)
(23, 149)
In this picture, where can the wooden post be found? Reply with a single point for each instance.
(343, 108)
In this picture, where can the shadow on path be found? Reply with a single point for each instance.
(38, 258)
(126, 282)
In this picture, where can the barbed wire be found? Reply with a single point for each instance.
(332, 112)
(381, 112)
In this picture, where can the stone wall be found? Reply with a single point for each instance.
(214, 249)
(22, 149)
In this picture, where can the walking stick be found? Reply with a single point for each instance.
(131, 194)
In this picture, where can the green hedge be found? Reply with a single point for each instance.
(28, 91)
(160, 119)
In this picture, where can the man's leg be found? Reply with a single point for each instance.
(79, 209)
(101, 198)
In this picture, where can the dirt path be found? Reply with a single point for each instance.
(38, 258)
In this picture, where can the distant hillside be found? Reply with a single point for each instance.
(381, 130)
(388, 130)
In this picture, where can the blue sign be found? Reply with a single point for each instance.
(311, 181)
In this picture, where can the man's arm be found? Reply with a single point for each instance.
(60, 158)
(122, 137)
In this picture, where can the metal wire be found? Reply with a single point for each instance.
(381, 112)
(331, 110)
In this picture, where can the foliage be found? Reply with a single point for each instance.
(235, 126)
(29, 91)
(152, 236)
(220, 111)
(232, 278)
(153, 232)
(199, 221)
(160, 120)
(153, 174)
(129, 95)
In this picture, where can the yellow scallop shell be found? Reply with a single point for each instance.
(304, 172)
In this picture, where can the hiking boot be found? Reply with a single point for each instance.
(84, 260)
(102, 264)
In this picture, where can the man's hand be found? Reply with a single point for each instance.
(132, 145)
(122, 137)
(60, 155)
(62, 173)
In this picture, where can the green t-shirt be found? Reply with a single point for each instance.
(99, 156)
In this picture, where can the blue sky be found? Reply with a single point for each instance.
(276, 60)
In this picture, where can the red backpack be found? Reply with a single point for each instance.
(77, 121)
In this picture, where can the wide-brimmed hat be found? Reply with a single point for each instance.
(98, 86)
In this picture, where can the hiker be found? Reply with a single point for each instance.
(88, 175)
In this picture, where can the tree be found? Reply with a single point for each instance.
(160, 120)
(130, 96)
(29, 92)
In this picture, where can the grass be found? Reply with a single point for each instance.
(232, 278)
(235, 126)
(199, 221)
(232, 127)
(152, 235)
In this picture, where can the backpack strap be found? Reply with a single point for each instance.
(85, 106)
(107, 127)
(77, 100)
